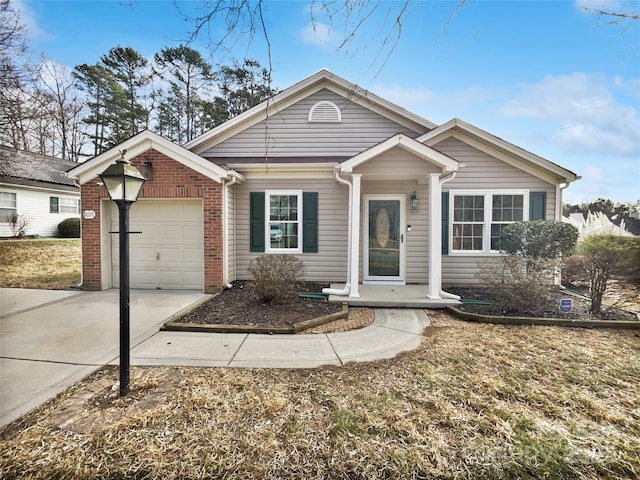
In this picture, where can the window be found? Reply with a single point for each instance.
(64, 205)
(505, 209)
(478, 218)
(8, 206)
(283, 218)
(291, 226)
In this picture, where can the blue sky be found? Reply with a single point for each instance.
(544, 75)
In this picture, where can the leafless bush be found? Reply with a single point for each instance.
(19, 224)
(276, 277)
(519, 282)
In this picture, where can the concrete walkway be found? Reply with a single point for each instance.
(393, 331)
(51, 339)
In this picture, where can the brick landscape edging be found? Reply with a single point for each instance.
(560, 322)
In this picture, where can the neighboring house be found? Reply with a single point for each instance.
(361, 190)
(37, 188)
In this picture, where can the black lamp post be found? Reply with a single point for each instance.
(123, 182)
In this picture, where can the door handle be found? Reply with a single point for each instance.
(402, 238)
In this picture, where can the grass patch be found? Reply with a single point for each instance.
(44, 264)
(485, 401)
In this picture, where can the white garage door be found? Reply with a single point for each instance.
(168, 254)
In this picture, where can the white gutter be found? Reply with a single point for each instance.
(444, 294)
(347, 288)
(225, 236)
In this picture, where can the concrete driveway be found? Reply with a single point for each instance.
(50, 339)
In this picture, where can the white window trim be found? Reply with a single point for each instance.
(15, 209)
(267, 233)
(71, 203)
(488, 220)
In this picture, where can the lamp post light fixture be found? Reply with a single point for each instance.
(123, 182)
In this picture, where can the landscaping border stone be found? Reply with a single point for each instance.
(560, 322)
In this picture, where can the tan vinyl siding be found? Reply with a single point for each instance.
(483, 172)
(399, 163)
(330, 263)
(288, 133)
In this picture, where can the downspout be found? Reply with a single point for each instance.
(225, 236)
(557, 277)
(347, 287)
(444, 294)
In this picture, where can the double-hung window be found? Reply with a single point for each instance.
(64, 205)
(479, 217)
(8, 206)
(284, 220)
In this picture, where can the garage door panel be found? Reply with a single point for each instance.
(168, 254)
(192, 256)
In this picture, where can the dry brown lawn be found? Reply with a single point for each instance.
(483, 401)
(47, 264)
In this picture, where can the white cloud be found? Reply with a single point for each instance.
(28, 18)
(586, 115)
(321, 35)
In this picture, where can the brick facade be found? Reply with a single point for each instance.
(171, 179)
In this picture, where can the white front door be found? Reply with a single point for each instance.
(383, 238)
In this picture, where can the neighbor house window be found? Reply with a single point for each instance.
(478, 218)
(64, 205)
(284, 226)
(8, 206)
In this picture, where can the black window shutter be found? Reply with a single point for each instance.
(53, 205)
(537, 205)
(256, 222)
(310, 222)
(445, 223)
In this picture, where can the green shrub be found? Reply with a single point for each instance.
(69, 228)
(532, 253)
(276, 277)
(574, 269)
(538, 239)
(607, 255)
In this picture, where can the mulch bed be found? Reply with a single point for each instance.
(549, 309)
(240, 305)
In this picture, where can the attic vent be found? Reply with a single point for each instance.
(327, 112)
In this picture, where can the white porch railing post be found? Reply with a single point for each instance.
(435, 236)
(355, 234)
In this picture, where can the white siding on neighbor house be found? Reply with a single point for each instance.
(484, 172)
(330, 263)
(290, 134)
(34, 205)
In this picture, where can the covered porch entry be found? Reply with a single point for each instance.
(395, 225)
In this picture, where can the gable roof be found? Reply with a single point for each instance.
(499, 148)
(142, 142)
(33, 169)
(324, 79)
(445, 162)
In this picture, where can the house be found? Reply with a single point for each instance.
(363, 191)
(36, 187)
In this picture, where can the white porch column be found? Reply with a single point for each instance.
(355, 234)
(435, 236)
